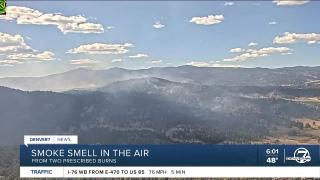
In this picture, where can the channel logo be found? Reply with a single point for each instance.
(300, 155)
(3, 5)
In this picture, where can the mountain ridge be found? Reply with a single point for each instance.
(91, 79)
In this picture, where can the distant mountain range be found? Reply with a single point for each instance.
(93, 79)
(160, 105)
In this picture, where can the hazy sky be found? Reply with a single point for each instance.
(39, 38)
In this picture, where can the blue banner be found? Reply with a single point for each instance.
(169, 155)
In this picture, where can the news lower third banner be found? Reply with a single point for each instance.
(79, 160)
